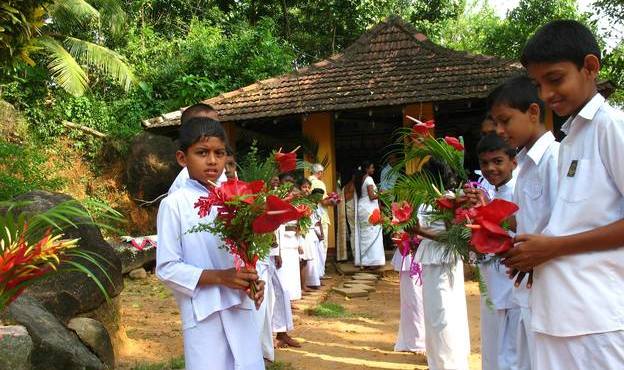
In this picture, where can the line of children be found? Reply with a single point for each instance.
(577, 293)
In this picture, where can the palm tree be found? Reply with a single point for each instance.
(70, 35)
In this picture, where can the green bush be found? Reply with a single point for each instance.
(21, 170)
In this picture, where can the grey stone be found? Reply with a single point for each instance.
(55, 346)
(151, 166)
(133, 258)
(138, 274)
(15, 348)
(351, 292)
(365, 287)
(365, 275)
(94, 335)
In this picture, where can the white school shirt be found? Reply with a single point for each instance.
(181, 257)
(431, 252)
(535, 194)
(499, 286)
(584, 293)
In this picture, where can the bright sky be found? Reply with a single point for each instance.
(502, 6)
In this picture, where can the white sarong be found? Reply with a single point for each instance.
(281, 320)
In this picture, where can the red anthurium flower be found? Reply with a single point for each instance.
(488, 236)
(423, 128)
(286, 161)
(464, 215)
(375, 217)
(454, 142)
(445, 203)
(277, 212)
(236, 188)
(401, 212)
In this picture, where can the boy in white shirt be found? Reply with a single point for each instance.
(500, 316)
(518, 113)
(577, 297)
(217, 319)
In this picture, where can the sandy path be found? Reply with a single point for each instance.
(363, 340)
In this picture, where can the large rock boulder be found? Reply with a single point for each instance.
(55, 347)
(15, 348)
(94, 335)
(151, 166)
(68, 294)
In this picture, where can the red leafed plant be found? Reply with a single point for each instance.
(32, 246)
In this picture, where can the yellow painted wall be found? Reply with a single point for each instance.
(422, 112)
(319, 127)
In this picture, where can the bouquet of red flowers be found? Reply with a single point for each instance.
(247, 214)
(479, 228)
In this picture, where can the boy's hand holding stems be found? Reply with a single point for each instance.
(234, 279)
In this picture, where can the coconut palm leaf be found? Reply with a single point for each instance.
(69, 13)
(113, 17)
(102, 58)
(64, 69)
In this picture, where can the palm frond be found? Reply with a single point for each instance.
(113, 17)
(102, 58)
(64, 69)
(66, 14)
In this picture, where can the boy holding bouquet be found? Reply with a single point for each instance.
(218, 324)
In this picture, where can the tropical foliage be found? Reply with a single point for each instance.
(32, 246)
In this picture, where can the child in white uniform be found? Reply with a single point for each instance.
(499, 316)
(577, 296)
(216, 312)
(518, 113)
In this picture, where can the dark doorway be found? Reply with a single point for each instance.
(364, 135)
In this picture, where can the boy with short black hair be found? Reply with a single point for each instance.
(518, 113)
(499, 318)
(577, 298)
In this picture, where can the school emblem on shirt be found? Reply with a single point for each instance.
(572, 169)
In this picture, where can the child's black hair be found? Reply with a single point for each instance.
(198, 128)
(518, 93)
(196, 110)
(441, 171)
(284, 175)
(317, 191)
(559, 41)
(494, 143)
(303, 181)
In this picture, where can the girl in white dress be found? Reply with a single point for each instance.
(369, 249)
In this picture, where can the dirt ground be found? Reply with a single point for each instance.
(365, 339)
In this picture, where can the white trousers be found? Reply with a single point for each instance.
(525, 341)
(264, 314)
(603, 351)
(499, 333)
(225, 340)
(446, 317)
(289, 273)
(281, 320)
(411, 337)
(311, 271)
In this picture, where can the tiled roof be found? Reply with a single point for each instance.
(391, 64)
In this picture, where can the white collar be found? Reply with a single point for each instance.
(588, 112)
(198, 184)
(539, 147)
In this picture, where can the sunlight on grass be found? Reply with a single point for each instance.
(173, 364)
(328, 309)
(278, 365)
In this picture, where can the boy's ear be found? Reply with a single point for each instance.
(534, 112)
(592, 65)
(514, 161)
(181, 158)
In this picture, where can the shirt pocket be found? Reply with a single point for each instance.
(533, 189)
(576, 181)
